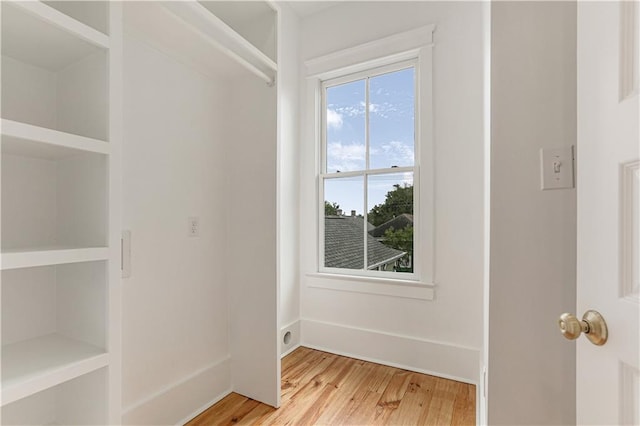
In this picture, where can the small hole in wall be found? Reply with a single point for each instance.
(287, 338)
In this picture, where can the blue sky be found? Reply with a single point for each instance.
(391, 136)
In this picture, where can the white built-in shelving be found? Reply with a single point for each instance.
(54, 71)
(61, 131)
(37, 364)
(52, 197)
(59, 148)
(43, 256)
(33, 141)
(89, 13)
(78, 401)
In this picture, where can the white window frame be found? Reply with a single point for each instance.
(415, 45)
(366, 172)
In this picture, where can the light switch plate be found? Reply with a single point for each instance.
(556, 168)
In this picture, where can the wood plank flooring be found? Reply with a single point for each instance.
(320, 388)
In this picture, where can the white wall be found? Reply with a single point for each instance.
(531, 366)
(251, 266)
(175, 305)
(288, 173)
(443, 335)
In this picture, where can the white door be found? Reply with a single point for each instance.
(608, 185)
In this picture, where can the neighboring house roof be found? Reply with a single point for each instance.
(344, 241)
(398, 222)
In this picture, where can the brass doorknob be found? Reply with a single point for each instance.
(592, 325)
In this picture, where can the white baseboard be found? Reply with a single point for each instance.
(289, 351)
(440, 359)
(294, 342)
(183, 400)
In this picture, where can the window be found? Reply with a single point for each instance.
(359, 142)
(368, 173)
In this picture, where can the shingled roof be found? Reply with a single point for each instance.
(344, 242)
(398, 222)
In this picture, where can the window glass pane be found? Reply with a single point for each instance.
(390, 215)
(345, 127)
(391, 119)
(344, 223)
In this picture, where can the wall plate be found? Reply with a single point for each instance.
(556, 168)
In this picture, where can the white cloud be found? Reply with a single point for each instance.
(351, 110)
(334, 119)
(396, 152)
(383, 110)
(345, 157)
(351, 156)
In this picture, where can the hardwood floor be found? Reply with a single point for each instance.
(320, 388)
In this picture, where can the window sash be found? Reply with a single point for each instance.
(362, 75)
(364, 271)
(365, 173)
(369, 172)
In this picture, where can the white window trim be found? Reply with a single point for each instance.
(366, 56)
(367, 172)
(412, 45)
(372, 285)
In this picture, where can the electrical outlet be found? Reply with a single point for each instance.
(194, 227)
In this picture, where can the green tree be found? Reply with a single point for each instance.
(401, 239)
(397, 201)
(331, 209)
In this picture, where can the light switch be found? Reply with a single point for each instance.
(556, 168)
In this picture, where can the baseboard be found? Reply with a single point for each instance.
(289, 351)
(294, 338)
(183, 400)
(440, 359)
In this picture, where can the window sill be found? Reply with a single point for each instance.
(372, 285)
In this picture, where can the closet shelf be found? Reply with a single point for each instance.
(65, 22)
(37, 364)
(34, 141)
(217, 33)
(37, 34)
(45, 256)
